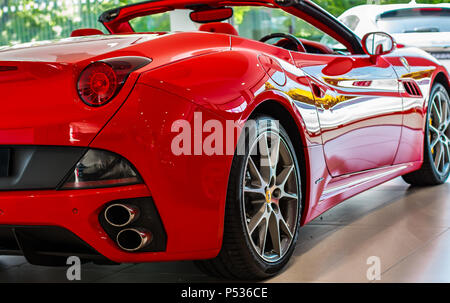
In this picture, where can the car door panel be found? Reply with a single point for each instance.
(359, 109)
(418, 71)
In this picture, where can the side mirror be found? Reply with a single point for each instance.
(339, 66)
(378, 43)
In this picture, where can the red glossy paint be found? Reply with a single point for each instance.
(357, 128)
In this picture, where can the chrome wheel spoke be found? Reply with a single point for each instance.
(445, 113)
(447, 121)
(257, 219)
(266, 165)
(263, 237)
(283, 178)
(434, 130)
(435, 141)
(289, 195)
(439, 156)
(437, 111)
(255, 190)
(254, 172)
(284, 175)
(274, 152)
(285, 227)
(438, 97)
(256, 202)
(269, 155)
(274, 230)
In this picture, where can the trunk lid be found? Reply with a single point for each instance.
(71, 50)
(39, 99)
(39, 102)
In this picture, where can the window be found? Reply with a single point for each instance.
(417, 20)
(251, 22)
(151, 23)
(256, 22)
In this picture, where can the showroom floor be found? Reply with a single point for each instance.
(408, 229)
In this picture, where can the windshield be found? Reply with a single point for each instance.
(417, 20)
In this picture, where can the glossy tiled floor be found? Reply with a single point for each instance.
(408, 229)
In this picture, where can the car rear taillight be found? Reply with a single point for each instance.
(101, 81)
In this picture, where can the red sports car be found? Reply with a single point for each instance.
(203, 144)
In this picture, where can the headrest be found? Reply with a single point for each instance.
(219, 27)
(86, 32)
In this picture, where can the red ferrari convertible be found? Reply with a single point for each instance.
(203, 144)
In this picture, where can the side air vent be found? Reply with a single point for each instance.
(8, 68)
(411, 88)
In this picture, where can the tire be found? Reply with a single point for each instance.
(435, 169)
(272, 199)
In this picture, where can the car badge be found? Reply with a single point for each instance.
(405, 63)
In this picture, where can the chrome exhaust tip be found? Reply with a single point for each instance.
(133, 239)
(120, 215)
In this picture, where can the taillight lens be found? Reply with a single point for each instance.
(99, 168)
(97, 84)
(101, 81)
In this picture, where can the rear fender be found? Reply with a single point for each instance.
(234, 84)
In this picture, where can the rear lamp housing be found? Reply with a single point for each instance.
(99, 168)
(101, 81)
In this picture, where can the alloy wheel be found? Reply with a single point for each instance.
(271, 196)
(439, 132)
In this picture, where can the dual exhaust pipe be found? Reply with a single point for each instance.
(129, 239)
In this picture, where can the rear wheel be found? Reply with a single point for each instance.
(263, 206)
(436, 165)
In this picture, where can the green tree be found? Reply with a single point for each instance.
(34, 20)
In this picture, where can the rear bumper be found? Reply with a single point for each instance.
(76, 213)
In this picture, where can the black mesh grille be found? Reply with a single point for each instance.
(412, 88)
(36, 167)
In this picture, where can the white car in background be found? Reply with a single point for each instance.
(426, 26)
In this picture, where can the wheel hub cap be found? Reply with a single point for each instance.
(268, 196)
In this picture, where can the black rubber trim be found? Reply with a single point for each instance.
(39, 167)
(46, 245)
(330, 21)
(5, 157)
